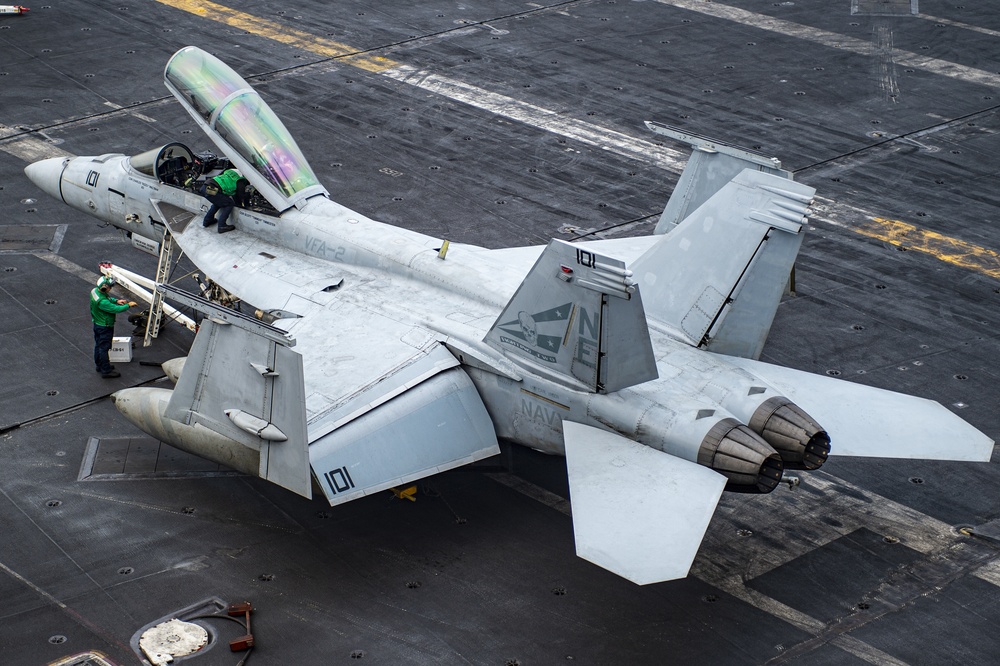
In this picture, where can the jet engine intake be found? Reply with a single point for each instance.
(799, 440)
(739, 454)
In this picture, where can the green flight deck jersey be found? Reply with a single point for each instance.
(227, 181)
(103, 308)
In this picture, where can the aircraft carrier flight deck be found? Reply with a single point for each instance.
(507, 124)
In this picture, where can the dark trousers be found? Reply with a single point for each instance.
(103, 338)
(221, 204)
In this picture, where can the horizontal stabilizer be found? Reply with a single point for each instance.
(637, 512)
(872, 422)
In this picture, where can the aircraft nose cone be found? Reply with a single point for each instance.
(47, 174)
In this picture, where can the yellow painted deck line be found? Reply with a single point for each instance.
(501, 105)
(950, 250)
(280, 33)
(947, 249)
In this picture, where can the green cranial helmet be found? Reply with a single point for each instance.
(105, 283)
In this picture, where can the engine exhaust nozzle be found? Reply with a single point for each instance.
(739, 454)
(797, 437)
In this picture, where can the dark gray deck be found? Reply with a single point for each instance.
(491, 140)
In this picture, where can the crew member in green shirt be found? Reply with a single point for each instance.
(103, 309)
(221, 190)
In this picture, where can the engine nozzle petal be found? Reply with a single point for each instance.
(797, 437)
(739, 454)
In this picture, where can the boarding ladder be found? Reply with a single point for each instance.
(162, 272)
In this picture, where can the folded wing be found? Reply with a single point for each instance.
(382, 400)
(716, 278)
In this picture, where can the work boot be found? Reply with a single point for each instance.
(111, 375)
(223, 228)
(207, 222)
(111, 366)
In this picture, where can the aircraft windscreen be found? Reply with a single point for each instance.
(241, 118)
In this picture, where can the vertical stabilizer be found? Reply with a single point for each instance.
(717, 278)
(578, 315)
(711, 165)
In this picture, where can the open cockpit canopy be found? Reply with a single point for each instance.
(242, 126)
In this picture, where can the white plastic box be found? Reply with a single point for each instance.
(121, 350)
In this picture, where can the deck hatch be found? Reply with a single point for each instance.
(133, 458)
(885, 7)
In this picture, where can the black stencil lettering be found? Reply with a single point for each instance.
(339, 480)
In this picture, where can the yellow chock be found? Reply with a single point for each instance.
(443, 250)
(407, 493)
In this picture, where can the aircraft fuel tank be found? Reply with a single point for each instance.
(145, 407)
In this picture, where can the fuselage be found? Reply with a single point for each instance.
(698, 404)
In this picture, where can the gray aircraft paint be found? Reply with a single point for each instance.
(417, 369)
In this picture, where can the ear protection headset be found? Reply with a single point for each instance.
(105, 284)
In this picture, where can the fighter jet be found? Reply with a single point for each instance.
(380, 356)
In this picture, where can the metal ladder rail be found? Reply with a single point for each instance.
(162, 272)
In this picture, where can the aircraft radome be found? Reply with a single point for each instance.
(383, 356)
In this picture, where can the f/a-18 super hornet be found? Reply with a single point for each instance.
(380, 355)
